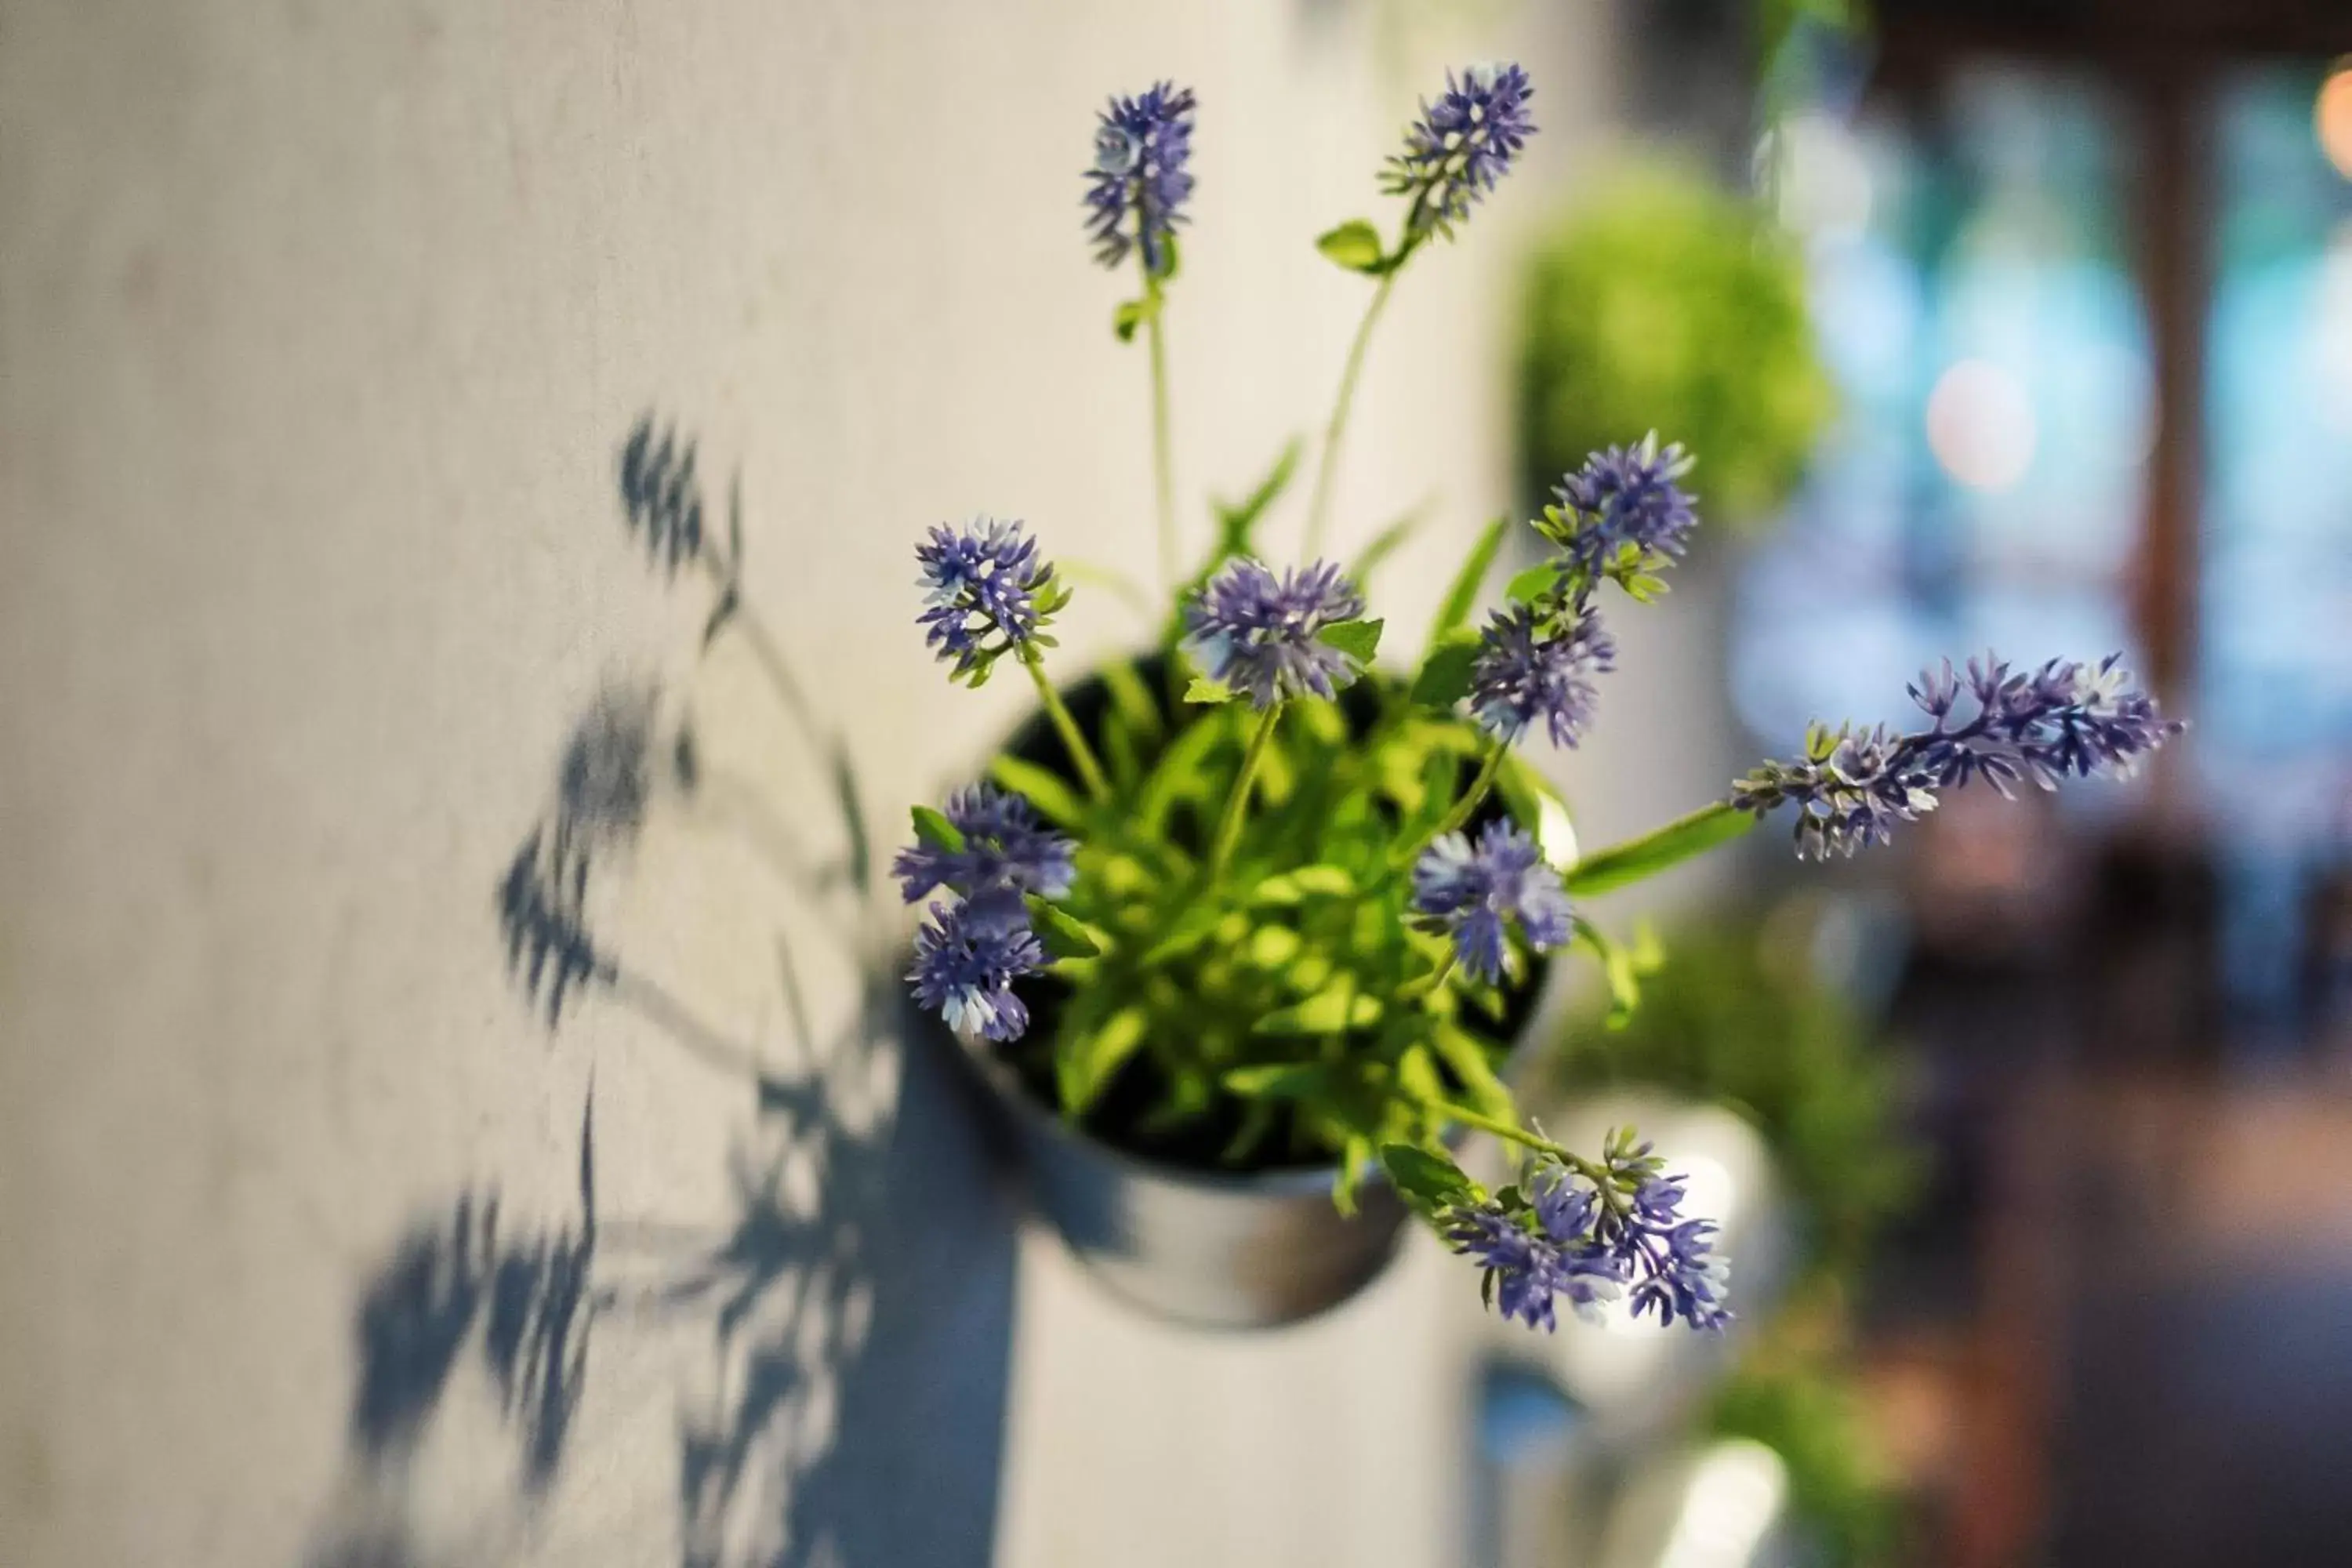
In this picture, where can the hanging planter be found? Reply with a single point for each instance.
(1163, 1222)
(1241, 934)
(1255, 1249)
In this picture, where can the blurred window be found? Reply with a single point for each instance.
(2274, 674)
(1983, 489)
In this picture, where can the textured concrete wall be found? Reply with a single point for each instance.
(320, 327)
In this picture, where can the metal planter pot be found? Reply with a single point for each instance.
(1210, 1251)
(1207, 1248)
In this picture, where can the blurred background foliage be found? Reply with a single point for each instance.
(1743, 1012)
(1662, 302)
(1734, 1013)
(1800, 1400)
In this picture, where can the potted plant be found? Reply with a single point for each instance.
(1242, 931)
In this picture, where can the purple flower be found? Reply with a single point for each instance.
(1137, 190)
(2063, 720)
(981, 581)
(1475, 894)
(1524, 1268)
(1531, 666)
(1683, 1274)
(1262, 635)
(1622, 511)
(1657, 1198)
(1459, 146)
(1532, 1272)
(1565, 1207)
(1003, 847)
(1568, 1239)
(966, 958)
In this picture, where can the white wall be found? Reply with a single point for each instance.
(320, 324)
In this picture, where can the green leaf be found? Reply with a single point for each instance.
(1258, 1118)
(1355, 1155)
(1359, 640)
(1182, 774)
(1132, 698)
(1330, 1011)
(1236, 521)
(1130, 315)
(1115, 745)
(1455, 609)
(1190, 929)
(1084, 1065)
(1045, 790)
(1620, 865)
(1386, 543)
(1465, 1055)
(1129, 591)
(1273, 947)
(1354, 245)
(1061, 934)
(1291, 886)
(1428, 1181)
(937, 831)
(1533, 583)
(1278, 1080)
(1445, 678)
(1617, 965)
(1417, 1078)
(1205, 690)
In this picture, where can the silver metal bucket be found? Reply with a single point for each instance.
(1207, 1248)
(1212, 1250)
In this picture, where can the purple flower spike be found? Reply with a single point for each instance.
(1004, 847)
(1570, 1240)
(2063, 720)
(1137, 189)
(1624, 510)
(966, 960)
(1474, 895)
(1530, 667)
(985, 581)
(1262, 635)
(1461, 146)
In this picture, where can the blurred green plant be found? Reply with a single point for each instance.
(1793, 1394)
(1664, 302)
(1731, 1013)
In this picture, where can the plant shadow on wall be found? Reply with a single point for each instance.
(854, 1307)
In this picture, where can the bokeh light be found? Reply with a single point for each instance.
(2331, 118)
(1981, 425)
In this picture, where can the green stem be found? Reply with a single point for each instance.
(1453, 819)
(1691, 834)
(1591, 1171)
(1228, 823)
(1318, 509)
(1066, 727)
(1428, 983)
(1479, 785)
(1163, 463)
